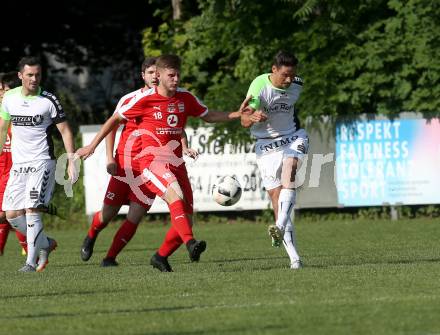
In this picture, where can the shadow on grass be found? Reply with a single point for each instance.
(378, 262)
(55, 294)
(234, 260)
(276, 265)
(102, 250)
(252, 266)
(47, 315)
(248, 328)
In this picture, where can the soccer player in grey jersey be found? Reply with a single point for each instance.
(33, 113)
(281, 144)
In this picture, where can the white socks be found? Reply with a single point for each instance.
(286, 201)
(290, 242)
(36, 238)
(19, 223)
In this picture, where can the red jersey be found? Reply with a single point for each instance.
(161, 120)
(5, 156)
(129, 130)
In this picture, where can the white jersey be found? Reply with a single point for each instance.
(277, 103)
(33, 119)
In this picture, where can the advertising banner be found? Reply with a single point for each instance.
(388, 162)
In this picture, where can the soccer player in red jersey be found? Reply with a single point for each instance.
(118, 191)
(8, 81)
(161, 114)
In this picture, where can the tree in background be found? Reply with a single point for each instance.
(368, 56)
(96, 43)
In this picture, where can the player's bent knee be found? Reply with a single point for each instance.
(33, 210)
(176, 187)
(13, 214)
(173, 193)
(288, 172)
(135, 212)
(108, 213)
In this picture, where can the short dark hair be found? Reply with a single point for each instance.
(10, 79)
(168, 62)
(28, 60)
(285, 58)
(148, 61)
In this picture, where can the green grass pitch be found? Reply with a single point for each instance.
(360, 277)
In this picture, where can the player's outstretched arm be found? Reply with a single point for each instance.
(251, 116)
(215, 116)
(4, 125)
(108, 126)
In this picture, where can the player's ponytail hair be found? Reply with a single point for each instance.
(168, 62)
(285, 58)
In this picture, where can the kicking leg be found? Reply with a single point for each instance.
(290, 245)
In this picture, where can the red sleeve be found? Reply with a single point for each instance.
(196, 108)
(133, 108)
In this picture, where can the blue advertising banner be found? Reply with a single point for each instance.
(388, 162)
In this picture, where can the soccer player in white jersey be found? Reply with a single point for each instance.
(281, 144)
(8, 81)
(33, 113)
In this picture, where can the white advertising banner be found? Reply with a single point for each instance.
(215, 160)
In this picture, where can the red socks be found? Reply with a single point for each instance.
(21, 239)
(170, 244)
(122, 237)
(180, 231)
(4, 233)
(96, 226)
(179, 220)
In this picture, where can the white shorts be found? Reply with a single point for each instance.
(271, 152)
(30, 185)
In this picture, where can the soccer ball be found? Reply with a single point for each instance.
(227, 191)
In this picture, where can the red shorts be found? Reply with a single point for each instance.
(159, 177)
(3, 181)
(121, 192)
